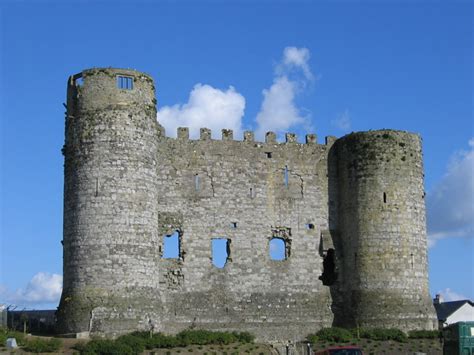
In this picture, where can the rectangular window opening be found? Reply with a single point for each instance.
(233, 225)
(220, 252)
(309, 226)
(197, 182)
(124, 82)
(278, 249)
(384, 197)
(285, 178)
(268, 154)
(172, 246)
(252, 192)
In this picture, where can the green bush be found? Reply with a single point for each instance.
(381, 334)
(333, 334)
(43, 346)
(244, 337)
(424, 334)
(137, 342)
(5, 334)
(205, 337)
(104, 347)
(158, 341)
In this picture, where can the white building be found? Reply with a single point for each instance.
(454, 311)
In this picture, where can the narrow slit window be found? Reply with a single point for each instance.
(124, 82)
(285, 176)
(277, 249)
(172, 246)
(96, 187)
(384, 197)
(252, 192)
(197, 182)
(220, 252)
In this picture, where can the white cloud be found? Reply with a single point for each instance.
(217, 109)
(278, 111)
(343, 122)
(41, 289)
(295, 58)
(449, 295)
(450, 205)
(206, 107)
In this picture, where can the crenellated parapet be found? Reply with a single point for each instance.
(227, 135)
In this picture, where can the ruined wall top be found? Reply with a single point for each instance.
(100, 88)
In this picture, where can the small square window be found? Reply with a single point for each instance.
(125, 82)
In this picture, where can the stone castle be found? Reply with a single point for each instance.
(350, 213)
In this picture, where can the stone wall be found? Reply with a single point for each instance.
(243, 197)
(128, 186)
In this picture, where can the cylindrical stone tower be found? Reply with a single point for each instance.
(382, 228)
(110, 203)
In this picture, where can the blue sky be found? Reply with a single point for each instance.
(331, 67)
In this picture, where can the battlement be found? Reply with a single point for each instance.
(249, 136)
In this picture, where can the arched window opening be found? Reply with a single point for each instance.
(286, 176)
(172, 246)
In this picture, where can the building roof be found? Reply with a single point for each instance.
(445, 309)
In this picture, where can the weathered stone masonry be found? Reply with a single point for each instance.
(351, 213)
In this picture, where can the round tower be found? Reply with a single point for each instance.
(382, 227)
(110, 202)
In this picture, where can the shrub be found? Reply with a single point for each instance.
(333, 334)
(382, 334)
(137, 343)
(206, 337)
(43, 345)
(159, 340)
(244, 337)
(104, 347)
(424, 334)
(5, 334)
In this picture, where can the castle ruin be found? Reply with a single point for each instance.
(350, 213)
